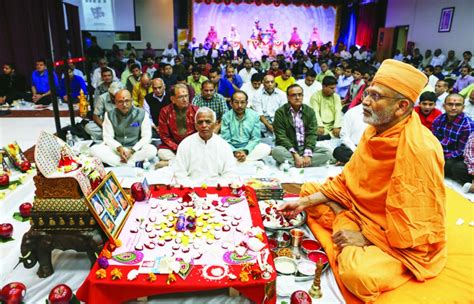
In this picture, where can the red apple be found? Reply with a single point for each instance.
(4, 179)
(300, 297)
(61, 294)
(25, 166)
(13, 293)
(138, 193)
(6, 230)
(25, 209)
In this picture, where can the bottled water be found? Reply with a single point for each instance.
(146, 165)
(69, 139)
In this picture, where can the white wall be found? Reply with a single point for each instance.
(423, 18)
(156, 20)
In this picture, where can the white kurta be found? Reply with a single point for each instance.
(309, 91)
(200, 160)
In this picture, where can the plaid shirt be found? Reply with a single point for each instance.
(217, 104)
(299, 127)
(453, 135)
(469, 154)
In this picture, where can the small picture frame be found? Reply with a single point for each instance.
(446, 20)
(110, 206)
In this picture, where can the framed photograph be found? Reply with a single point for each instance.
(446, 20)
(110, 206)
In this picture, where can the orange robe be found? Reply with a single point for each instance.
(393, 188)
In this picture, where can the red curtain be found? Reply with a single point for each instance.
(274, 2)
(370, 18)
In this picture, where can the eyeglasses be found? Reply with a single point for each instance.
(122, 102)
(376, 96)
(296, 95)
(182, 97)
(456, 105)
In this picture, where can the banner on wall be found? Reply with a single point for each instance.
(98, 14)
(182, 36)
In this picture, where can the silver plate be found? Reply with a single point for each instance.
(299, 224)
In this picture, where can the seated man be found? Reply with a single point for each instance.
(127, 134)
(441, 91)
(12, 85)
(386, 210)
(465, 79)
(105, 103)
(252, 87)
(168, 76)
(103, 87)
(233, 78)
(427, 109)
(213, 100)
(76, 84)
(344, 81)
(195, 80)
(464, 172)
(222, 85)
(155, 101)
(469, 105)
(241, 129)
(40, 83)
(176, 122)
(353, 126)
(295, 133)
(285, 80)
(325, 71)
(309, 85)
(140, 90)
(327, 106)
(266, 102)
(247, 72)
(97, 74)
(204, 154)
(453, 129)
(355, 87)
(133, 78)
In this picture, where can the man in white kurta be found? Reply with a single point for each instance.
(204, 155)
(126, 133)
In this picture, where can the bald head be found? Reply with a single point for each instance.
(123, 101)
(158, 87)
(269, 83)
(145, 80)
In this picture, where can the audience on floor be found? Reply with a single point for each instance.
(284, 104)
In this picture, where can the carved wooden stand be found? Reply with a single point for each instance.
(40, 244)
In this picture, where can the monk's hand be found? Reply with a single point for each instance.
(292, 209)
(336, 132)
(337, 208)
(345, 238)
(320, 131)
(307, 161)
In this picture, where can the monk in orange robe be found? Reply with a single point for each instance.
(386, 209)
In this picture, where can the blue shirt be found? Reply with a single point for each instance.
(77, 84)
(225, 88)
(40, 81)
(453, 135)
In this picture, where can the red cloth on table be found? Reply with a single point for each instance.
(103, 291)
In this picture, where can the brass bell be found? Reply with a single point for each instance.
(40, 221)
(91, 222)
(81, 222)
(52, 222)
(62, 222)
(71, 222)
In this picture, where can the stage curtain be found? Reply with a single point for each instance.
(24, 34)
(306, 3)
(370, 18)
(347, 32)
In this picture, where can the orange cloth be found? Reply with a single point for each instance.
(455, 284)
(397, 199)
(401, 77)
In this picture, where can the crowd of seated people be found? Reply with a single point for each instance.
(257, 102)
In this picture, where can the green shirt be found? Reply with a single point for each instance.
(243, 133)
(327, 109)
(321, 75)
(196, 85)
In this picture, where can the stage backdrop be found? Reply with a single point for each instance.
(222, 16)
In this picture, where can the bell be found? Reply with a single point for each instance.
(52, 222)
(40, 221)
(91, 222)
(62, 222)
(71, 222)
(81, 222)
